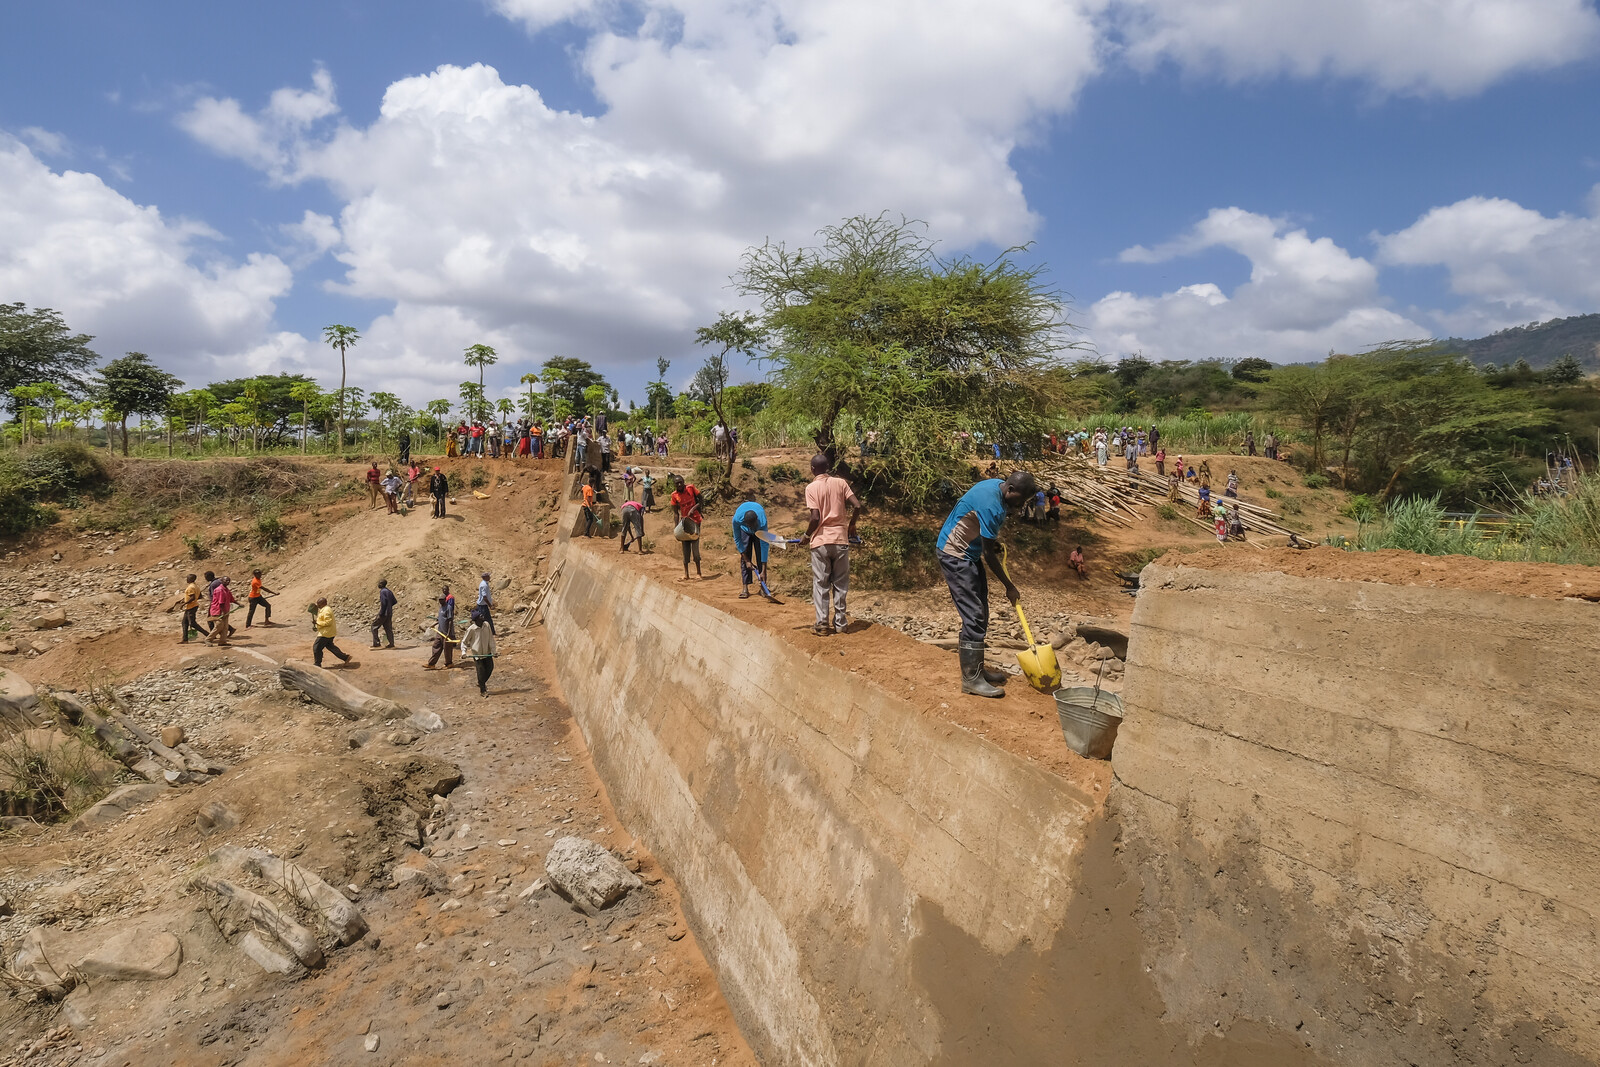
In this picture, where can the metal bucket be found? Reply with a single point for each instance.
(1089, 720)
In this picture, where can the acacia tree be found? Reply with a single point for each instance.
(133, 385)
(872, 323)
(342, 338)
(730, 333)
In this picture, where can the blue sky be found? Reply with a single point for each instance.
(1205, 177)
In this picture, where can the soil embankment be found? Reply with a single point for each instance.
(468, 956)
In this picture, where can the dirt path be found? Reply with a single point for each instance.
(484, 963)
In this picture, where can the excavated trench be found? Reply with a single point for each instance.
(1349, 823)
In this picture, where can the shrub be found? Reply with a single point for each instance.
(1361, 507)
(270, 532)
(783, 472)
(1168, 512)
(32, 478)
(1273, 494)
(1316, 480)
(902, 557)
(197, 547)
(1291, 506)
(708, 472)
(480, 478)
(747, 464)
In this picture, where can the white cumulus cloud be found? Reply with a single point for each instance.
(128, 275)
(1510, 264)
(1434, 47)
(1304, 297)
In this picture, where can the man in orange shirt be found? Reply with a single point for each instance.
(258, 599)
(833, 510)
(588, 510)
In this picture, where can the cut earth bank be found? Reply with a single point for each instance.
(1332, 837)
(437, 834)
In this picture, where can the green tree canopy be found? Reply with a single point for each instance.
(873, 325)
(568, 378)
(133, 385)
(36, 347)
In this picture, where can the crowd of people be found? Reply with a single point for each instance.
(553, 439)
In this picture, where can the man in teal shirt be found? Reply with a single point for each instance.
(967, 541)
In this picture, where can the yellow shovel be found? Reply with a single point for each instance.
(1038, 663)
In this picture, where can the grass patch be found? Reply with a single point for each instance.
(271, 533)
(783, 472)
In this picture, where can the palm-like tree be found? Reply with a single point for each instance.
(480, 356)
(341, 337)
(305, 392)
(438, 409)
(505, 407)
(530, 380)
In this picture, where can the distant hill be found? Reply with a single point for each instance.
(1540, 343)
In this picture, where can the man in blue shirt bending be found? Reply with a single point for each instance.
(750, 519)
(967, 541)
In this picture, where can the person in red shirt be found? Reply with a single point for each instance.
(686, 505)
(221, 604)
(258, 599)
(374, 476)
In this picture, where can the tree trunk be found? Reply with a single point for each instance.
(341, 399)
(305, 413)
(124, 435)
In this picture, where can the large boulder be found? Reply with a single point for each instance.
(118, 804)
(17, 689)
(49, 620)
(134, 956)
(336, 694)
(588, 874)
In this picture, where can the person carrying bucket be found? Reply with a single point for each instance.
(967, 541)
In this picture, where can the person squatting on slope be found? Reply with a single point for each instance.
(967, 541)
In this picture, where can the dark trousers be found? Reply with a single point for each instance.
(326, 643)
(438, 505)
(384, 622)
(485, 665)
(445, 645)
(632, 528)
(969, 588)
(190, 622)
(588, 521)
(266, 610)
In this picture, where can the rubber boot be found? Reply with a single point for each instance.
(995, 676)
(972, 679)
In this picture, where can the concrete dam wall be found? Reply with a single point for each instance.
(1351, 823)
(823, 832)
(1367, 813)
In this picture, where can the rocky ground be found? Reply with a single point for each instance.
(433, 827)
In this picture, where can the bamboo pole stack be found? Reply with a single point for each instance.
(1113, 495)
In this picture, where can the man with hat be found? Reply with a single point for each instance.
(967, 541)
